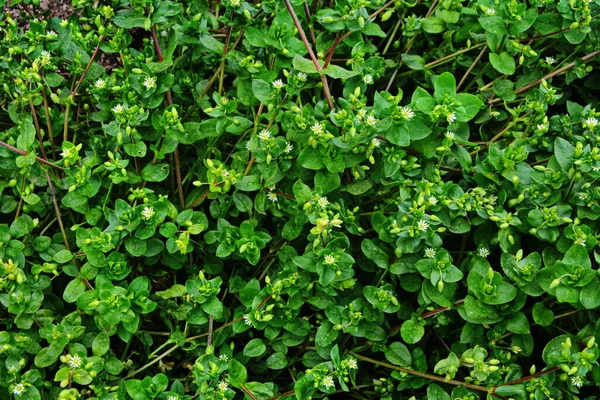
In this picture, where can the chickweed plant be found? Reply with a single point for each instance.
(288, 199)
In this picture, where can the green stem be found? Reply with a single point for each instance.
(425, 375)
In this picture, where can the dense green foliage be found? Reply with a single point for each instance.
(292, 199)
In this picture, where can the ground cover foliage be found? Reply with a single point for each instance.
(288, 199)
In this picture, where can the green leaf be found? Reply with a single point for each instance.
(310, 158)
(48, 355)
(74, 290)
(212, 44)
(589, 296)
(277, 361)
(249, 183)
(375, 253)
(156, 172)
(255, 348)
(101, 344)
(129, 19)
(359, 187)
(237, 373)
(136, 247)
(494, 24)
(564, 152)
(53, 79)
(304, 65)
(261, 90)
(249, 292)
(542, 315)
(552, 353)
(326, 182)
(27, 136)
(469, 107)
(398, 354)
(577, 256)
(337, 72)
(414, 61)
(503, 63)
(195, 131)
(434, 392)
(445, 86)
(177, 290)
(433, 25)
(411, 331)
(373, 29)
(325, 334)
(518, 323)
(63, 256)
(21, 226)
(302, 192)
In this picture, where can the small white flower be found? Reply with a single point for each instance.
(580, 242)
(328, 382)
(322, 202)
(407, 113)
(429, 252)
(432, 200)
(288, 148)
(590, 123)
(224, 173)
(272, 197)
(100, 83)
(248, 145)
(368, 79)
(595, 169)
(223, 357)
(352, 364)
(235, 3)
(317, 128)
(375, 142)
(490, 12)
(67, 152)
(549, 60)
(371, 120)
(329, 259)
(577, 381)
(222, 386)
(19, 388)
(52, 34)
(118, 109)
(75, 362)
(149, 82)
(264, 134)
(278, 84)
(362, 112)
(449, 135)
(173, 397)
(148, 212)
(45, 55)
(451, 118)
(483, 252)
(247, 320)
(301, 76)
(164, 33)
(582, 196)
(423, 225)
(542, 127)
